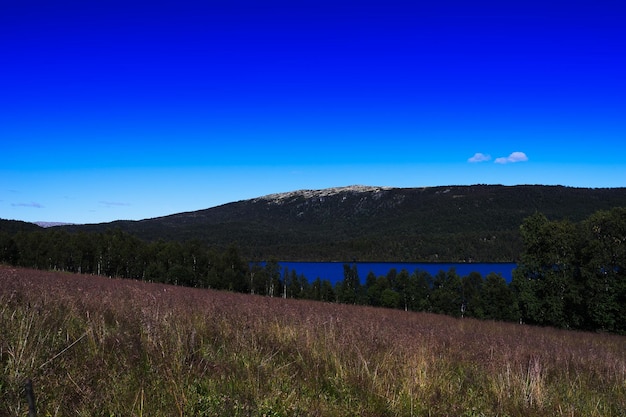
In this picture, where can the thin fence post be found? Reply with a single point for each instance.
(30, 397)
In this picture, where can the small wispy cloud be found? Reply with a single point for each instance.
(114, 204)
(31, 204)
(514, 157)
(479, 157)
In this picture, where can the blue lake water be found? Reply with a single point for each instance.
(333, 271)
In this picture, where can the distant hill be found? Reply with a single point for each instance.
(454, 223)
(14, 226)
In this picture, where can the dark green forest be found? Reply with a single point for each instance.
(570, 274)
(477, 223)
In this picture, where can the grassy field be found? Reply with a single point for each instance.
(104, 347)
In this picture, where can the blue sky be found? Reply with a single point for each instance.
(131, 110)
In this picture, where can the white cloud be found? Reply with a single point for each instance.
(514, 157)
(479, 157)
(32, 204)
(113, 203)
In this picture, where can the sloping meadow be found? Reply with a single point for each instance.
(105, 347)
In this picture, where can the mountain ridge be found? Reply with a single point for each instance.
(324, 192)
(375, 223)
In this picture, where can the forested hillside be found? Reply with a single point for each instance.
(13, 226)
(457, 223)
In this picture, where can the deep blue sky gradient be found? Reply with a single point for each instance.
(129, 110)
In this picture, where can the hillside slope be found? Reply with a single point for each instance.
(14, 226)
(454, 223)
(94, 345)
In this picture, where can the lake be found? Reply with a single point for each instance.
(333, 271)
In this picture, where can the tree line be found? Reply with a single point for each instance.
(570, 275)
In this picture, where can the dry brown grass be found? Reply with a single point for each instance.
(97, 346)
